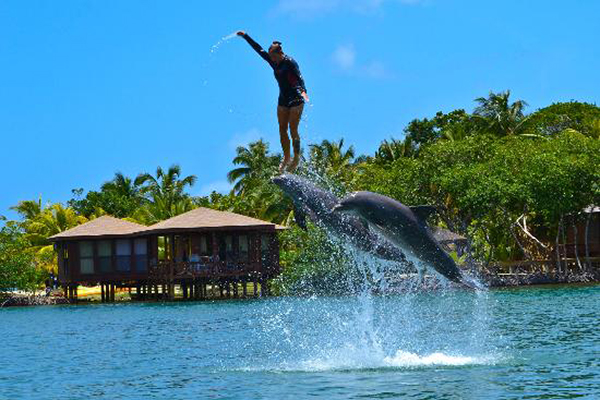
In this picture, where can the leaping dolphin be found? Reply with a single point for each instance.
(404, 227)
(317, 204)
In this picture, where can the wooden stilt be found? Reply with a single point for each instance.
(228, 289)
(255, 287)
(235, 289)
(245, 288)
(102, 298)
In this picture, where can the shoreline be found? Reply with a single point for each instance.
(21, 300)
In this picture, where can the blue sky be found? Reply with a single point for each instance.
(88, 88)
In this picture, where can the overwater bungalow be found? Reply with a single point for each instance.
(197, 251)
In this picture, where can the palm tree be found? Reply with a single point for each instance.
(394, 150)
(52, 220)
(122, 186)
(330, 156)
(498, 115)
(166, 185)
(256, 166)
(165, 193)
(29, 209)
(159, 210)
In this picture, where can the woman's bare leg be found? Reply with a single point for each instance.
(283, 116)
(295, 116)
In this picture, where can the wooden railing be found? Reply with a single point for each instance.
(168, 270)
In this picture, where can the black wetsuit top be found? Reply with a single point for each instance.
(288, 76)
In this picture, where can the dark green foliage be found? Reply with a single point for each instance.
(120, 197)
(313, 264)
(17, 267)
(582, 117)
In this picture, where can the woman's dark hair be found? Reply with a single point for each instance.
(275, 47)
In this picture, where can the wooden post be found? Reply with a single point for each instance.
(102, 298)
(263, 288)
(235, 289)
(172, 269)
(245, 288)
(255, 286)
(112, 292)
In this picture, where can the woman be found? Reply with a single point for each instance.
(292, 95)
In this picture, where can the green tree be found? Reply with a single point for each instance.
(17, 267)
(551, 120)
(498, 115)
(454, 125)
(394, 149)
(331, 161)
(120, 197)
(256, 166)
(165, 193)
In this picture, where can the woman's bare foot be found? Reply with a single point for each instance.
(294, 164)
(284, 164)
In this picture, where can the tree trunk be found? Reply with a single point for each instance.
(557, 246)
(587, 242)
(579, 266)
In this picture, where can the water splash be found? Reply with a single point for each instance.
(224, 39)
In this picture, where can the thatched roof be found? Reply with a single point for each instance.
(208, 218)
(102, 226)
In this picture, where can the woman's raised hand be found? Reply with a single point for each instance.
(240, 33)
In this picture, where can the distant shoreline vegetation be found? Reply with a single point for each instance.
(512, 183)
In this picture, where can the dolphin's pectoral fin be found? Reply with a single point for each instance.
(423, 212)
(300, 217)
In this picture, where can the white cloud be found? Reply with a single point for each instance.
(376, 70)
(217, 186)
(312, 8)
(344, 57)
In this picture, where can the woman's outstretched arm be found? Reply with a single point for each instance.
(261, 52)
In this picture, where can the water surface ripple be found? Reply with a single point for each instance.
(511, 344)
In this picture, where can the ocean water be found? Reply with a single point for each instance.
(534, 343)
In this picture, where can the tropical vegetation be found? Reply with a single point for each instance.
(512, 183)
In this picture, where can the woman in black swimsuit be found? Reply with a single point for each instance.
(292, 95)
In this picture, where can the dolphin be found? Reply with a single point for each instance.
(317, 204)
(403, 226)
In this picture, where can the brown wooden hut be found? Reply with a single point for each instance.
(197, 251)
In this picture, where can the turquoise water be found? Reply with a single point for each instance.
(511, 344)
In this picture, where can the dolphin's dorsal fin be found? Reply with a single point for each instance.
(300, 217)
(423, 212)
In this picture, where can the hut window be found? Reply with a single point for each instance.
(141, 257)
(229, 244)
(123, 255)
(243, 247)
(86, 257)
(265, 242)
(203, 246)
(104, 255)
